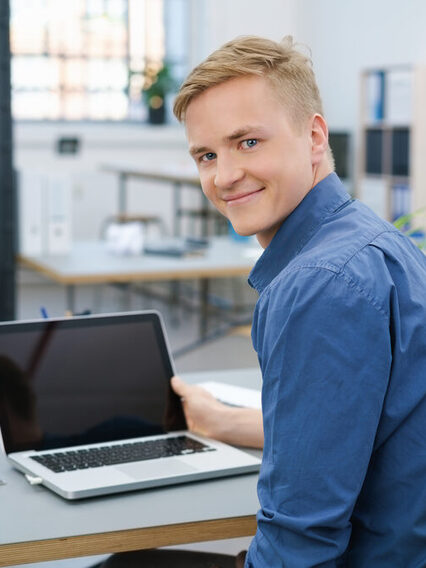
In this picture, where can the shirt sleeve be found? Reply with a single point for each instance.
(325, 353)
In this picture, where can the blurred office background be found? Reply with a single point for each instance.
(80, 75)
(80, 72)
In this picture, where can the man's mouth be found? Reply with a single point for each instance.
(243, 197)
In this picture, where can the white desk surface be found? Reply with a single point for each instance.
(90, 262)
(36, 524)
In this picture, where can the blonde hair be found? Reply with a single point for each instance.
(287, 69)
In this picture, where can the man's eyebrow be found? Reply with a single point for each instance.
(243, 131)
(239, 133)
(195, 150)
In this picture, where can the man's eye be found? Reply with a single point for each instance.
(208, 157)
(249, 143)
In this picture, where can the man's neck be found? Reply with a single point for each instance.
(320, 173)
(323, 170)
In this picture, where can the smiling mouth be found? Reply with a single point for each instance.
(243, 198)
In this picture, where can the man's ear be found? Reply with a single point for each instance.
(319, 138)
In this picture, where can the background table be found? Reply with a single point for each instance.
(89, 262)
(38, 525)
(177, 175)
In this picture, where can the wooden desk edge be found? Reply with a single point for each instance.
(120, 541)
(132, 277)
(38, 267)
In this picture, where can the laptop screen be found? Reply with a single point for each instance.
(85, 380)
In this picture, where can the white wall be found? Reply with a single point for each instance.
(223, 20)
(349, 36)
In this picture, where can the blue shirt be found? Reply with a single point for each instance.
(340, 332)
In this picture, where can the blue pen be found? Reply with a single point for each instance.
(43, 312)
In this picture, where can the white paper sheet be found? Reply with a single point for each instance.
(236, 396)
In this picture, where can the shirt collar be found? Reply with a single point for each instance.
(296, 230)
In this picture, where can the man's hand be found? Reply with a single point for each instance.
(204, 414)
(208, 417)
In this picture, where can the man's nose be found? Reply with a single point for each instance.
(228, 172)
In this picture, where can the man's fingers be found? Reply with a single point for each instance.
(184, 390)
(179, 386)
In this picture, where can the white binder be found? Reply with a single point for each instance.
(31, 188)
(44, 213)
(58, 206)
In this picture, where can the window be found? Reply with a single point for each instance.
(87, 59)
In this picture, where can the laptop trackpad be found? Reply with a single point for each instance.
(142, 470)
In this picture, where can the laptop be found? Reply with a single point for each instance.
(86, 408)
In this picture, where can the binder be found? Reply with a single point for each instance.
(31, 190)
(374, 151)
(400, 200)
(375, 96)
(400, 151)
(58, 214)
(399, 96)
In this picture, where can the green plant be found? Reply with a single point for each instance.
(158, 81)
(413, 226)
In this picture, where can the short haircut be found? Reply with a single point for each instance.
(287, 69)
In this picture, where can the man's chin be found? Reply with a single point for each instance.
(243, 231)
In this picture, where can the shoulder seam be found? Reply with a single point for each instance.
(338, 273)
(369, 243)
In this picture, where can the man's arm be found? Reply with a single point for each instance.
(207, 416)
(325, 354)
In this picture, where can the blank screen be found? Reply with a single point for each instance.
(86, 380)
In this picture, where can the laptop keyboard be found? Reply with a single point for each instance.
(121, 453)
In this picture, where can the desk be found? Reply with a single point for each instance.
(90, 263)
(37, 525)
(177, 175)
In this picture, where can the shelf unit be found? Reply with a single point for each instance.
(391, 173)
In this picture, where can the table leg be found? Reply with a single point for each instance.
(176, 209)
(126, 296)
(204, 308)
(205, 216)
(70, 297)
(122, 193)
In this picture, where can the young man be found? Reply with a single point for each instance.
(339, 326)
